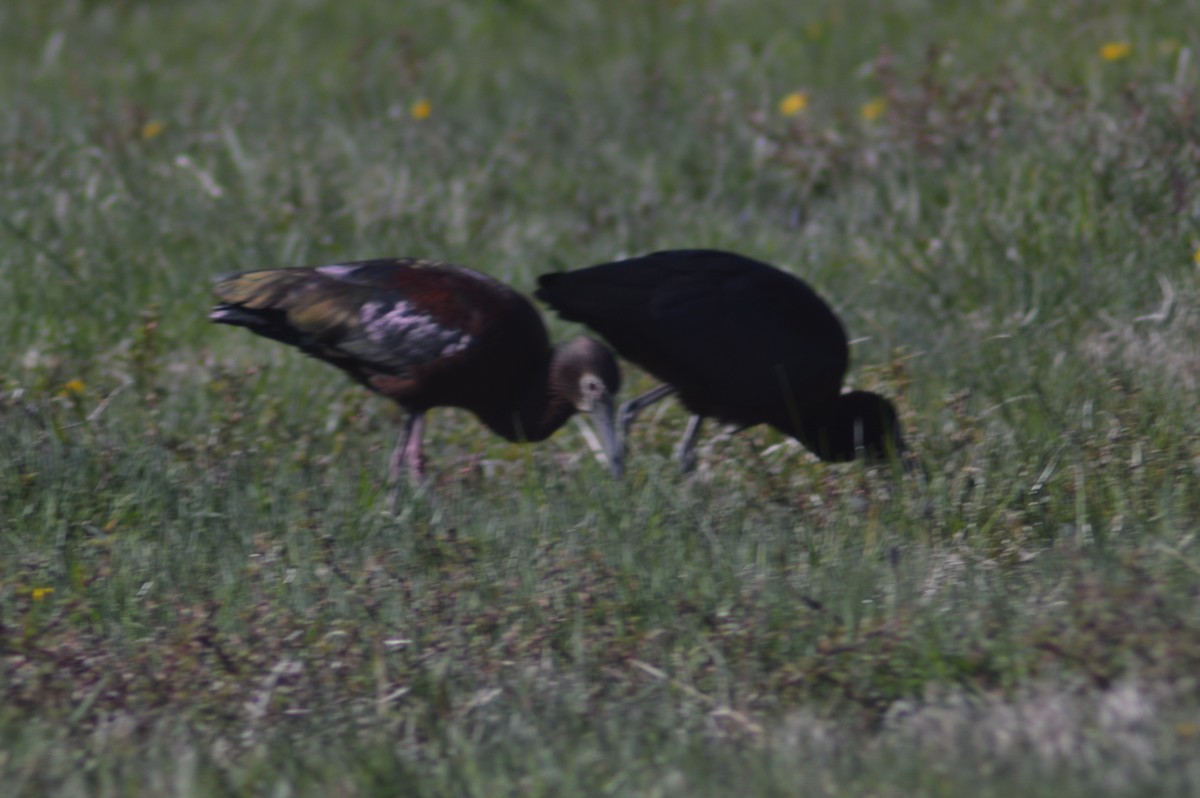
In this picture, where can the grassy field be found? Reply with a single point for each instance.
(203, 591)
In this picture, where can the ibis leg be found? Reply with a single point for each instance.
(687, 444)
(413, 456)
(408, 450)
(631, 409)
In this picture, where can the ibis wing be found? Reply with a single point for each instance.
(364, 316)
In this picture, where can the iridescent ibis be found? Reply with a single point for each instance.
(737, 340)
(427, 334)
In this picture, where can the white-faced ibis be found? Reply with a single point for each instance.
(429, 334)
(737, 340)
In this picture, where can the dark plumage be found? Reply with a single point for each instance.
(737, 340)
(426, 335)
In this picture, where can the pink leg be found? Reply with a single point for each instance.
(413, 455)
(408, 451)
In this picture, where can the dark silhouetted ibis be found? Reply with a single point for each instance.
(737, 340)
(429, 334)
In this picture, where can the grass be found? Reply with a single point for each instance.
(202, 591)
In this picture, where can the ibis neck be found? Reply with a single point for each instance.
(849, 425)
(828, 431)
(539, 408)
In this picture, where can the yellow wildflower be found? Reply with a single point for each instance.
(1187, 729)
(39, 593)
(873, 109)
(152, 129)
(794, 103)
(1196, 256)
(421, 109)
(73, 387)
(1115, 51)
